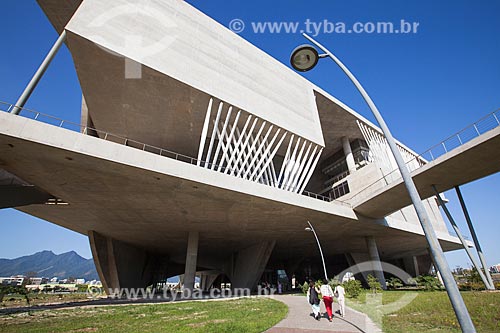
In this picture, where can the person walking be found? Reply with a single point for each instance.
(327, 293)
(340, 294)
(313, 298)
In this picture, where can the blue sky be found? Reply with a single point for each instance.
(428, 84)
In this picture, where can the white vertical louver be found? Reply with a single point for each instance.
(245, 146)
(381, 153)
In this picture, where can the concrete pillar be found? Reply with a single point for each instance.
(121, 265)
(425, 264)
(375, 259)
(356, 259)
(411, 266)
(433, 264)
(207, 279)
(191, 257)
(349, 158)
(245, 267)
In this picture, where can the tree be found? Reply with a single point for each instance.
(374, 284)
(473, 280)
(9, 289)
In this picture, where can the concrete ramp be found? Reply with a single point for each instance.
(476, 159)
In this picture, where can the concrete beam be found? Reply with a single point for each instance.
(22, 195)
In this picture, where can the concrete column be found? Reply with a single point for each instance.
(207, 279)
(349, 158)
(375, 259)
(121, 265)
(191, 257)
(411, 266)
(356, 259)
(438, 273)
(245, 267)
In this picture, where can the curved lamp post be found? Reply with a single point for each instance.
(310, 228)
(304, 58)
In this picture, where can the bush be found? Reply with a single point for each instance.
(334, 282)
(374, 284)
(305, 287)
(394, 283)
(352, 288)
(428, 282)
(497, 285)
(82, 288)
(471, 286)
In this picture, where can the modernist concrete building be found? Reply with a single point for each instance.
(199, 153)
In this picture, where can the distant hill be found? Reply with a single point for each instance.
(47, 264)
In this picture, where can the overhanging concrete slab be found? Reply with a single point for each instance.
(460, 166)
(153, 202)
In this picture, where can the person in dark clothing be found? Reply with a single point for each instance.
(313, 298)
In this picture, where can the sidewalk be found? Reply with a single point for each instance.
(300, 320)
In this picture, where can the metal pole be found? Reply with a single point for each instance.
(38, 75)
(474, 237)
(320, 251)
(434, 246)
(461, 237)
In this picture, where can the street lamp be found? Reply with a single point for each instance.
(304, 58)
(310, 228)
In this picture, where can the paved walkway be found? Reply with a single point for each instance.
(300, 319)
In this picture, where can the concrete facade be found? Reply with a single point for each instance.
(202, 163)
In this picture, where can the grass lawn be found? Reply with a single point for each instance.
(400, 311)
(240, 315)
(12, 301)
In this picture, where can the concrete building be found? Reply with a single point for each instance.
(38, 280)
(495, 268)
(198, 153)
(17, 280)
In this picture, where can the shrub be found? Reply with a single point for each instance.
(374, 284)
(471, 286)
(82, 288)
(352, 288)
(473, 280)
(394, 283)
(428, 282)
(334, 282)
(305, 287)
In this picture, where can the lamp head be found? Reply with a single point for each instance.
(307, 229)
(304, 58)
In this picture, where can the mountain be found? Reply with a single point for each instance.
(47, 264)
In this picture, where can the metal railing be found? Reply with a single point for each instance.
(85, 130)
(483, 125)
(472, 131)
